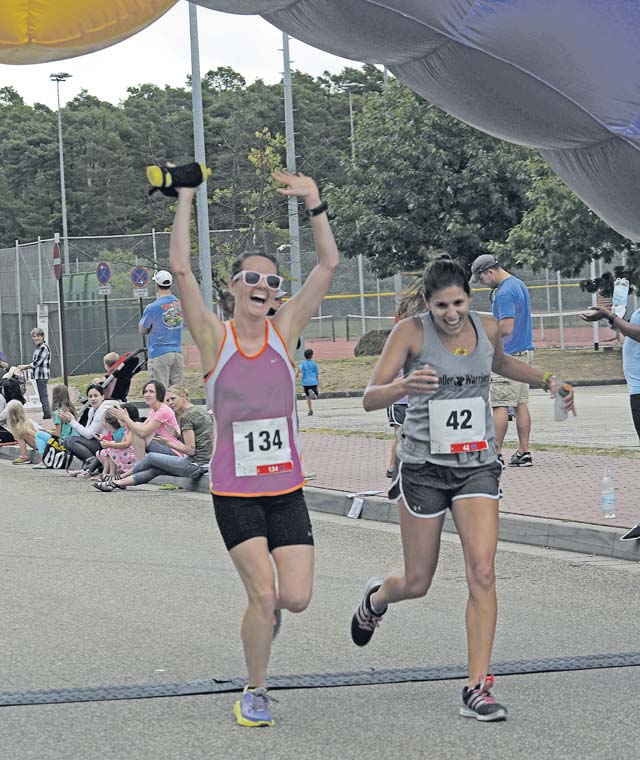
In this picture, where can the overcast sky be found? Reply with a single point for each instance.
(160, 54)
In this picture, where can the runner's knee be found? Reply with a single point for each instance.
(481, 576)
(295, 600)
(417, 586)
(263, 598)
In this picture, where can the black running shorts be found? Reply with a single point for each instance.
(308, 388)
(428, 490)
(283, 520)
(396, 414)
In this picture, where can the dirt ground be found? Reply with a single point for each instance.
(353, 374)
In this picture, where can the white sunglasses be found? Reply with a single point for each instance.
(252, 279)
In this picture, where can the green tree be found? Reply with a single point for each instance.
(424, 181)
(558, 231)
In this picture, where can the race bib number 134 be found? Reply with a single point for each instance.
(262, 447)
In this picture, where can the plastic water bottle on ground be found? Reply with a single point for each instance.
(608, 494)
(559, 412)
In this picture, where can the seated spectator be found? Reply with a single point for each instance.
(119, 370)
(19, 383)
(4, 364)
(108, 360)
(117, 454)
(83, 443)
(161, 421)
(9, 390)
(194, 449)
(60, 402)
(23, 429)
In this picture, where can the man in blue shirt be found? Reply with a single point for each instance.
(162, 322)
(512, 308)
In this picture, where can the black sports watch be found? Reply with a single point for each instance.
(317, 210)
(611, 320)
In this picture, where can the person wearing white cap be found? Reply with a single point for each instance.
(162, 322)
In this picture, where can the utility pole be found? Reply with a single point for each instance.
(294, 219)
(350, 87)
(57, 78)
(202, 208)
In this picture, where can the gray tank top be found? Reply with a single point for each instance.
(458, 416)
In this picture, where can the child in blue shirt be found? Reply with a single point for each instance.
(309, 371)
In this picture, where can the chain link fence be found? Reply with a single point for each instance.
(357, 301)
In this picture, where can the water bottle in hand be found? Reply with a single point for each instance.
(608, 494)
(559, 412)
(620, 296)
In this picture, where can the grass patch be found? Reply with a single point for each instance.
(351, 433)
(583, 450)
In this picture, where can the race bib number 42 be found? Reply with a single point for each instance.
(457, 425)
(261, 447)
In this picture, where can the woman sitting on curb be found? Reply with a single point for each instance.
(161, 422)
(23, 429)
(194, 450)
(83, 442)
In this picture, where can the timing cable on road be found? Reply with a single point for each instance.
(316, 680)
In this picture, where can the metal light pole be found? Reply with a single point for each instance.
(294, 221)
(350, 87)
(204, 238)
(57, 78)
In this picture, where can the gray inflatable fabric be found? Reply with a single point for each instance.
(562, 76)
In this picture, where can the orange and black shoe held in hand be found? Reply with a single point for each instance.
(168, 178)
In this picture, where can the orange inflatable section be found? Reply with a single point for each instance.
(38, 31)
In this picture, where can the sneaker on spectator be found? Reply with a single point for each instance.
(22, 459)
(521, 459)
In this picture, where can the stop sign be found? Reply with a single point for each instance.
(57, 261)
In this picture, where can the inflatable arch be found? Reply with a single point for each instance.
(38, 31)
(557, 75)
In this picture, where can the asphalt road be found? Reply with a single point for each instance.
(136, 587)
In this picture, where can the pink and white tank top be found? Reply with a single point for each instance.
(253, 400)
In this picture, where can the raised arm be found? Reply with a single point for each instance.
(205, 327)
(294, 315)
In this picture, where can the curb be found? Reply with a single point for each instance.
(584, 538)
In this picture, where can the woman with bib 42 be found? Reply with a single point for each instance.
(256, 472)
(446, 459)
